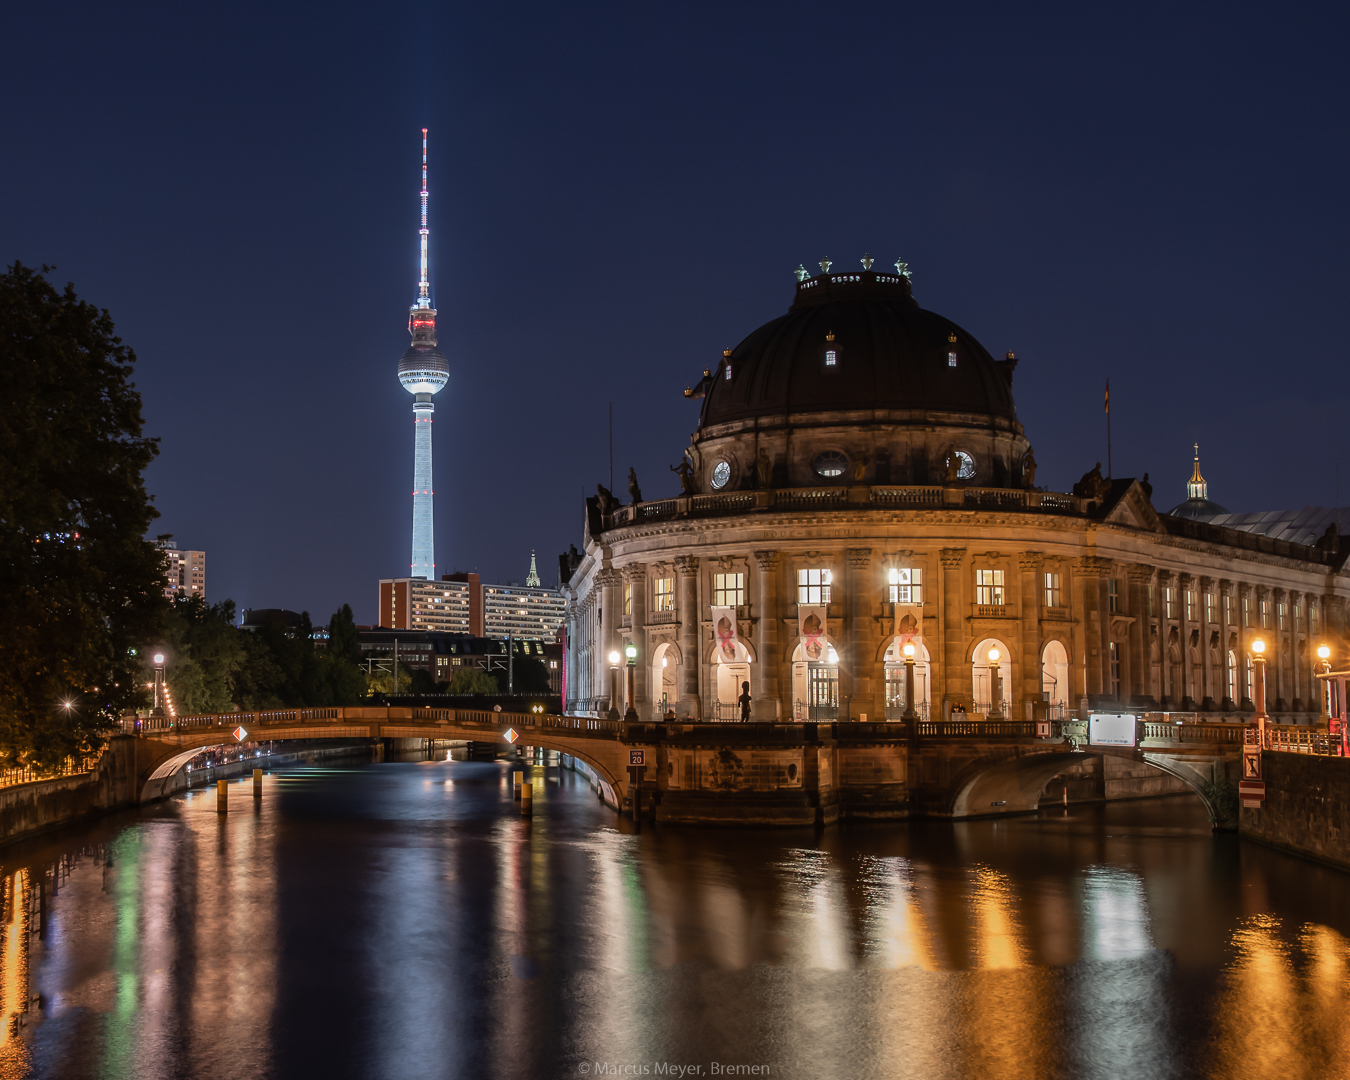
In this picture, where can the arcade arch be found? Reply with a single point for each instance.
(815, 681)
(895, 680)
(664, 676)
(1055, 673)
(981, 674)
(729, 673)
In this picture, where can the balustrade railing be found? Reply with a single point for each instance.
(33, 774)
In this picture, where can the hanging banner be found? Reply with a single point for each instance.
(811, 627)
(724, 631)
(908, 623)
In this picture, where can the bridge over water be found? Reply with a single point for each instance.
(749, 773)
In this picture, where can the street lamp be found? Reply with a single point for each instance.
(909, 714)
(613, 713)
(995, 697)
(158, 709)
(1259, 664)
(630, 714)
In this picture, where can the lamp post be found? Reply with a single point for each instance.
(910, 715)
(1259, 666)
(158, 709)
(613, 713)
(1324, 656)
(995, 697)
(630, 714)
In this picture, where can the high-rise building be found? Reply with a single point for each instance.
(459, 603)
(184, 571)
(523, 613)
(423, 370)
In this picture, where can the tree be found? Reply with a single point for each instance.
(80, 588)
(528, 675)
(471, 680)
(344, 681)
(206, 655)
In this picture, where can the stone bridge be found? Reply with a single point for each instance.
(753, 773)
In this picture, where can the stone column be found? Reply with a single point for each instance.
(1138, 577)
(1297, 678)
(610, 616)
(1184, 585)
(1168, 694)
(1028, 687)
(1088, 592)
(635, 576)
(862, 639)
(769, 704)
(1244, 640)
(1207, 698)
(686, 566)
(953, 673)
(1278, 643)
(1226, 702)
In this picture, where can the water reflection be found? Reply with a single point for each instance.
(403, 920)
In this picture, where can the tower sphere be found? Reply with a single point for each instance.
(423, 369)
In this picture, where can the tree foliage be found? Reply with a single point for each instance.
(80, 587)
(471, 680)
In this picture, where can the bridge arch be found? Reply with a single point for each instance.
(1013, 780)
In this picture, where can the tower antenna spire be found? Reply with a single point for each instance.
(424, 281)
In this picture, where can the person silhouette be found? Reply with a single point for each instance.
(744, 699)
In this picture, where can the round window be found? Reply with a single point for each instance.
(831, 464)
(966, 470)
(721, 474)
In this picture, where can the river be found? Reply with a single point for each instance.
(400, 920)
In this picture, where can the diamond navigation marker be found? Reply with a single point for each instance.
(510, 735)
(239, 733)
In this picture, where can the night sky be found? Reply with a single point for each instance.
(1150, 193)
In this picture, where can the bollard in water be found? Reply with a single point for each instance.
(257, 783)
(515, 783)
(222, 797)
(527, 799)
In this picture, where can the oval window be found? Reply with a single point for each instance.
(720, 475)
(966, 470)
(831, 465)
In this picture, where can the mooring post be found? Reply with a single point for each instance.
(517, 779)
(527, 799)
(222, 796)
(257, 783)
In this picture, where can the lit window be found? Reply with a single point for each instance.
(720, 475)
(1209, 607)
(665, 594)
(627, 599)
(906, 585)
(1054, 593)
(813, 586)
(728, 375)
(728, 590)
(1246, 611)
(989, 587)
(1169, 603)
(831, 357)
(1265, 614)
(1113, 595)
(1190, 606)
(951, 359)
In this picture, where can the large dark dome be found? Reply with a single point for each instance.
(887, 355)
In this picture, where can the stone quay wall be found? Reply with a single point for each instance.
(1307, 807)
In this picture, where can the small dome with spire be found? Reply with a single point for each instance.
(1197, 506)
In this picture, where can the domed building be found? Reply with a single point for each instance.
(858, 485)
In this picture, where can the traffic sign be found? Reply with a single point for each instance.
(511, 735)
(239, 733)
(637, 758)
(1252, 793)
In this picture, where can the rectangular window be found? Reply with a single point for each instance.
(906, 585)
(1054, 594)
(813, 586)
(1228, 612)
(664, 597)
(951, 359)
(1280, 612)
(831, 358)
(989, 587)
(1169, 602)
(728, 375)
(1246, 611)
(1115, 669)
(1298, 612)
(1209, 607)
(628, 598)
(1152, 610)
(1265, 614)
(1312, 619)
(1190, 606)
(1113, 595)
(728, 590)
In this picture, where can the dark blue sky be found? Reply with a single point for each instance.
(1149, 193)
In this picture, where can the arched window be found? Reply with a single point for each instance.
(982, 668)
(895, 681)
(1055, 673)
(1232, 676)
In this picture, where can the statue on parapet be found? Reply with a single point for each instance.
(634, 492)
(1029, 470)
(685, 472)
(605, 497)
(1093, 485)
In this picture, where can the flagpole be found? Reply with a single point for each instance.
(1109, 474)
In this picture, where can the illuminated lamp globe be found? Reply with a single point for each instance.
(1258, 646)
(993, 656)
(1323, 653)
(614, 659)
(631, 652)
(834, 657)
(908, 650)
(159, 658)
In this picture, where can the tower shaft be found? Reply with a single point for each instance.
(423, 539)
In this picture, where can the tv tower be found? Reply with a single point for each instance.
(423, 370)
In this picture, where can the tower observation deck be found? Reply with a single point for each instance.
(423, 370)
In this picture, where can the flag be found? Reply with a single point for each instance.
(1108, 395)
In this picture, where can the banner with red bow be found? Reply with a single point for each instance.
(811, 626)
(724, 632)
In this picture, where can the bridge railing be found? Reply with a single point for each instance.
(1223, 734)
(1291, 739)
